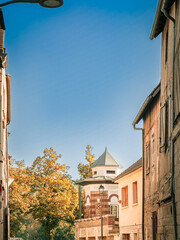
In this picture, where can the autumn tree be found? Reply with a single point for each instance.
(84, 169)
(55, 197)
(19, 194)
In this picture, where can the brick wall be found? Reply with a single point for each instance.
(94, 209)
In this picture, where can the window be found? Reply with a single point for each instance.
(135, 193)
(164, 133)
(95, 172)
(166, 49)
(166, 125)
(110, 171)
(148, 158)
(154, 225)
(125, 196)
(135, 236)
(125, 236)
(114, 210)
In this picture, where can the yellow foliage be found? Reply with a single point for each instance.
(19, 193)
(84, 169)
(44, 190)
(56, 196)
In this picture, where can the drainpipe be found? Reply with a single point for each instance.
(7, 187)
(166, 14)
(142, 129)
(80, 201)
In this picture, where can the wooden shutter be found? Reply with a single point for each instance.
(162, 126)
(123, 197)
(135, 193)
(148, 155)
(166, 124)
(126, 196)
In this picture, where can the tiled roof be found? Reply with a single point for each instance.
(106, 160)
(146, 104)
(129, 170)
(96, 180)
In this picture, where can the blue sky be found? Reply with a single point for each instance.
(80, 73)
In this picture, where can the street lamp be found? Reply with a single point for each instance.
(43, 3)
(101, 191)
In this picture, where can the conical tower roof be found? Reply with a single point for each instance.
(106, 160)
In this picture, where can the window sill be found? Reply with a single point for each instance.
(134, 204)
(125, 207)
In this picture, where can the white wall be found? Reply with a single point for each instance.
(102, 171)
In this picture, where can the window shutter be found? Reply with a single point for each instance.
(166, 124)
(123, 197)
(135, 193)
(148, 155)
(126, 196)
(162, 127)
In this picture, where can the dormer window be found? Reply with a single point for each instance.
(110, 172)
(95, 172)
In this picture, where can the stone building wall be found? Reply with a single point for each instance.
(134, 231)
(166, 217)
(177, 181)
(159, 217)
(151, 164)
(176, 132)
(87, 229)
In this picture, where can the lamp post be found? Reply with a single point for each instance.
(43, 3)
(101, 190)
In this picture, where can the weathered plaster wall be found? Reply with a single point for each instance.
(176, 132)
(151, 170)
(158, 181)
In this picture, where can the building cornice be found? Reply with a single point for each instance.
(160, 19)
(98, 180)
